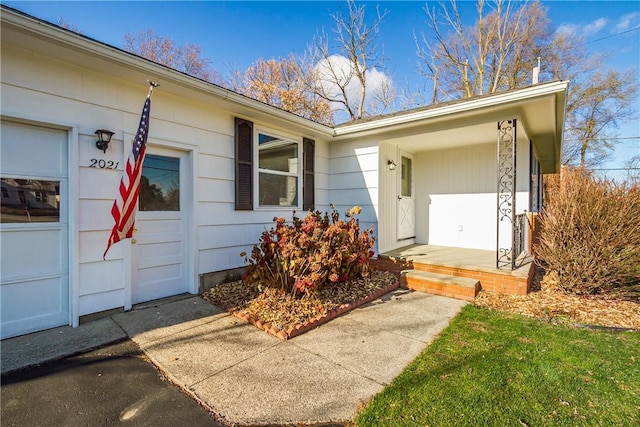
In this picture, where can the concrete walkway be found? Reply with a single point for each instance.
(247, 377)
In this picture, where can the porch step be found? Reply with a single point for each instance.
(442, 284)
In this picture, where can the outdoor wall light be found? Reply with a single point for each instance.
(104, 137)
(391, 164)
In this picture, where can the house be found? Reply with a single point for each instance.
(220, 166)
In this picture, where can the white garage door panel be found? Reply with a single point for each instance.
(34, 279)
(44, 260)
(41, 151)
(48, 303)
(47, 307)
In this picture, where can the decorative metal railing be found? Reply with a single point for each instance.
(505, 256)
(519, 238)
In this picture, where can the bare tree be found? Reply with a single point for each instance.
(597, 106)
(494, 54)
(187, 59)
(498, 53)
(632, 167)
(281, 83)
(61, 22)
(346, 77)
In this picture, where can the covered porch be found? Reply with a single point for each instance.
(456, 272)
(457, 184)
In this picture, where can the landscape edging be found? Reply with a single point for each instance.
(294, 331)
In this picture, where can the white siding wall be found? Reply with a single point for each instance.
(87, 100)
(456, 195)
(388, 192)
(353, 179)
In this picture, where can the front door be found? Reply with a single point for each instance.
(406, 205)
(160, 242)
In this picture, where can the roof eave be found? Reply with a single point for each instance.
(545, 89)
(12, 19)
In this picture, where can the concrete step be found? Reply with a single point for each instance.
(442, 284)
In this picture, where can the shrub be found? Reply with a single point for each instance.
(307, 254)
(590, 235)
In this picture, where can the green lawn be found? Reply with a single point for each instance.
(494, 369)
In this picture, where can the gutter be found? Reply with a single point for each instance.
(461, 107)
(44, 30)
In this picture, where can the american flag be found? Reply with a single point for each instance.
(125, 206)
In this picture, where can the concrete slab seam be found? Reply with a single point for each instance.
(333, 362)
(235, 364)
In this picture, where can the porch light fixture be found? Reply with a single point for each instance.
(391, 164)
(104, 137)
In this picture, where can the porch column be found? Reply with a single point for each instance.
(505, 253)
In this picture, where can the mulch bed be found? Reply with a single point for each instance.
(552, 304)
(285, 316)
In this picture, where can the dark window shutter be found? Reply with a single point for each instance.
(308, 162)
(244, 164)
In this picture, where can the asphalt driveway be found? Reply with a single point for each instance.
(110, 386)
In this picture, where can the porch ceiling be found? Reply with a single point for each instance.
(536, 122)
(437, 139)
(539, 109)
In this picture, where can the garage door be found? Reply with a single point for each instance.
(34, 232)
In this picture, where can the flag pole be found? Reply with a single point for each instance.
(125, 205)
(152, 85)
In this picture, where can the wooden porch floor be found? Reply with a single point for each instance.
(460, 262)
(470, 259)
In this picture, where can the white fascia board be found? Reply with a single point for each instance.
(44, 30)
(561, 112)
(461, 107)
(91, 47)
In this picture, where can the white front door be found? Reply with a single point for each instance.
(34, 229)
(406, 206)
(160, 242)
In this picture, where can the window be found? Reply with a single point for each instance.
(278, 171)
(284, 168)
(535, 184)
(160, 184)
(30, 200)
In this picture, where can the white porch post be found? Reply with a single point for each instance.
(505, 250)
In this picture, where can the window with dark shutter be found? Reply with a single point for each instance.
(244, 164)
(308, 191)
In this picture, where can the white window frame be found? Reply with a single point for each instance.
(257, 170)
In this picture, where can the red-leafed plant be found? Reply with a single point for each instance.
(306, 254)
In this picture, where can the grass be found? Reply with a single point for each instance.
(496, 369)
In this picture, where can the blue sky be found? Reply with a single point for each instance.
(236, 33)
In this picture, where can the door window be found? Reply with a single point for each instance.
(405, 179)
(160, 184)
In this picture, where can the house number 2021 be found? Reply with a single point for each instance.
(103, 164)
